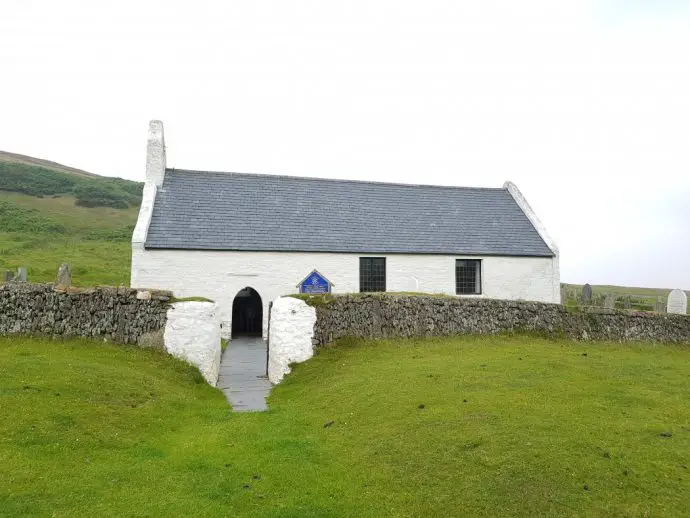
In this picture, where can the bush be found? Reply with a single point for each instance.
(14, 218)
(95, 195)
(90, 192)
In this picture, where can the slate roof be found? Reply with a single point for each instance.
(232, 211)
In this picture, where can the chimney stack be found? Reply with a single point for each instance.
(155, 154)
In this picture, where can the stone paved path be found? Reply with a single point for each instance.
(243, 374)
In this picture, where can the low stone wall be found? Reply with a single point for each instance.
(402, 316)
(148, 318)
(120, 315)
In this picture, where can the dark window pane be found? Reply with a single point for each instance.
(372, 274)
(468, 276)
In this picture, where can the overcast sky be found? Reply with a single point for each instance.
(584, 105)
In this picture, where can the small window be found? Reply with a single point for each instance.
(372, 274)
(468, 277)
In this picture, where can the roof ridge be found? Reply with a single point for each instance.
(334, 180)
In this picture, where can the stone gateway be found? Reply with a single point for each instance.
(225, 235)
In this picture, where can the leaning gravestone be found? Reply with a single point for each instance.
(586, 294)
(22, 274)
(659, 306)
(64, 275)
(564, 296)
(677, 302)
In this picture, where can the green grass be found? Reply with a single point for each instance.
(93, 261)
(511, 426)
(95, 241)
(190, 299)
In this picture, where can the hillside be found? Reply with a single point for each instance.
(42, 178)
(16, 158)
(50, 214)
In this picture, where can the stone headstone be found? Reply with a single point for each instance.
(677, 302)
(64, 275)
(7, 276)
(609, 301)
(586, 294)
(22, 274)
(627, 303)
(659, 307)
(564, 296)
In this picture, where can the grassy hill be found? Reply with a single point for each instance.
(50, 214)
(465, 426)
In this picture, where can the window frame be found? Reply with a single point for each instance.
(370, 260)
(479, 277)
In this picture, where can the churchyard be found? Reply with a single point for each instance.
(472, 426)
(617, 297)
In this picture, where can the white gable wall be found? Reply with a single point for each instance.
(219, 275)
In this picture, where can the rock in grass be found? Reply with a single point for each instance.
(329, 424)
(665, 434)
(421, 407)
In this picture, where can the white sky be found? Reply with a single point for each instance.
(584, 104)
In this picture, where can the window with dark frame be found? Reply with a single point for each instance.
(468, 276)
(372, 274)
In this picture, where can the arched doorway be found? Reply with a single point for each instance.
(247, 313)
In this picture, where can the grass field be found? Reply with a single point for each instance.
(95, 241)
(491, 426)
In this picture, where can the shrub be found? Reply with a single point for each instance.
(90, 192)
(14, 218)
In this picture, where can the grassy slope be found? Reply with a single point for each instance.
(510, 427)
(16, 158)
(95, 240)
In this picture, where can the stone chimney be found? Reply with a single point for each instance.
(155, 154)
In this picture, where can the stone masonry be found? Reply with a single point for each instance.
(114, 314)
(403, 316)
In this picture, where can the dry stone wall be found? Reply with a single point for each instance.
(402, 316)
(120, 315)
(150, 318)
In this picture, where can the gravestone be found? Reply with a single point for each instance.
(627, 303)
(677, 302)
(564, 296)
(7, 276)
(609, 301)
(22, 274)
(659, 306)
(64, 275)
(586, 294)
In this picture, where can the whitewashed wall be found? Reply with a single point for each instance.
(292, 330)
(192, 333)
(220, 275)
